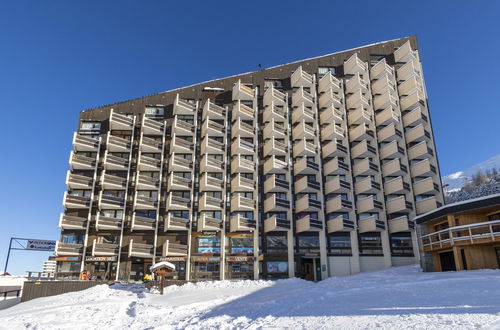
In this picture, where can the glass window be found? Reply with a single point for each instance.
(72, 238)
(91, 125)
(277, 266)
(401, 244)
(370, 243)
(241, 245)
(339, 243)
(208, 244)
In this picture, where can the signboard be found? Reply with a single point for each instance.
(239, 259)
(33, 244)
(67, 258)
(172, 259)
(106, 259)
(205, 259)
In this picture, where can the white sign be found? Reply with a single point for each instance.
(41, 245)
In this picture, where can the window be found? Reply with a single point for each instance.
(180, 214)
(72, 239)
(339, 243)
(401, 244)
(322, 70)
(277, 266)
(370, 244)
(80, 193)
(148, 193)
(91, 125)
(154, 111)
(117, 214)
(151, 214)
(241, 245)
(308, 244)
(208, 244)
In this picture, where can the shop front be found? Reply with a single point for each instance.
(68, 267)
(205, 256)
(101, 268)
(275, 256)
(180, 267)
(239, 256)
(308, 257)
(138, 268)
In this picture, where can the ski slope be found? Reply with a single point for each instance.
(396, 298)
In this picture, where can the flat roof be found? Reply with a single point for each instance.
(458, 207)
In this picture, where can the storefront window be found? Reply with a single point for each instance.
(277, 267)
(339, 244)
(308, 244)
(276, 244)
(370, 244)
(209, 245)
(241, 245)
(401, 244)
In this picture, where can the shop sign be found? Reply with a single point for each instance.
(213, 258)
(67, 259)
(238, 259)
(311, 254)
(107, 259)
(172, 259)
(209, 233)
(200, 259)
(41, 245)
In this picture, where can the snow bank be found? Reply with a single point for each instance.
(401, 297)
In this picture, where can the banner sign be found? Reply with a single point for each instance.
(113, 258)
(205, 259)
(173, 259)
(239, 259)
(67, 259)
(40, 245)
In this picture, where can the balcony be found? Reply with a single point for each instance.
(240, 203)
(381, 68)
(420, 151)
(359, 116)
(173, 223)
(354, 65)
(241, 146)
(144, 202)
(394, 167)
(307, 223)
(364, 167)
(209, 203)
(331, 115)
(384, 100)
(104, 249)
(148, 144)
(177, 203)
(383, 84)
(242, 92)
(274, 96)
(370, 224)
(306, 204)
(356, 83)
(112, 162)
(274, 223)
(240, 128)
(147, 163)
(332, 132)
(120, 122)
(303, 131)
(366, 186)
(110, 201)
(339, 224)
(274, 147)
(273, 112)
(117, 144)
(300, 78)
(425, 186)
(304, 148)
(81, 162)
(328, 81)
(337, 204)
(386, 117)
(412, 101)
(179, 183)
(240, 223)
(171, 249)
(389, 133)
(368, 205)
(400, 224)
(398, 205)
(209, 164)
(274, 129)
(305, 166)
(180, 164)
(410, 69)
(242, 165)
(276, 204)
(76, 181)
(180, 145)
(330, 98)
(396, 186)
(240, 183)
(213, 111)
(208, 223)
(303, 113)
(108, 223)
(68, 249)
(417, 134)
(391, 150)
(361, 132)
(83, 143)
(414, 117)
(142, 223)
(69, 222)
(410, 86)
(140, 250)
(357, 100)
(301, 97)
(422, 168)
(242, 111)
(211, 146)
(337, 185)
(152, 127)
(212, 128)
(146, 182)
(182, 107)
(75, 202)
(363, 149)
(304, 185)
(275, 165)
(208, 183)
(113, 182)
(404, 53)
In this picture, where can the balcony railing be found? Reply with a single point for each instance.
(274, 147)
(420, 151)
(140, 250)
(304, 148)
(357, 100)
(240, 203)
(370, 224)
(240, 128)
(302, 97)
(206, 222)
(386, 116)
(331, 115)
(208, 203)
(331, 98)
(174, 249)
(404, 53)
(328, 81)
(110, 201)
(400, 224)
(356, 83)
(182, 127)
(332, 132)
(142, 223)
(384, 100)
(75, 202)
(242, 165)
(417, 134)
(340, 224)
(307, 204)
(303, 130)
(212, 128)
(300, 78)
(144, 202)
(411, 85)
(303, 113)
(118, 121)
(364, 167)
(241, 146)
(335, 166)
(104, 249)
(337, 185)
(150, 145)
(368, 204)
(274, 96)
(391, 150)
(182, 107)
(68, 249)
(179, 183)
(146, 182)
(213, 111)
(366, 186)
(410, 69)
(276, 204)
(358, 116)
(361, 132)
(177, 202)
(425, 186)
(240, 183)
(178, 163)
(153, 127)
(108, 223)
(209, 164)
(147, 163)
(304, 185)
(76, 181)
(242, 111)
(308, 223)
(273, 184)
(305, 166)
(275, 165)
(363, 149)
(398, 205)
(423, 168)
(414, 117)
(354, 65)
(242, 92)
(81, 162)
(380, 69)
(273, 129)
(180, 145)
(240, 223)
(72, 222)
(383, 84)
(109, 181)
(85, 143)
(176, 223)
(112, 162)
(394, 167)
(208, 183)
(396, 186)
(389, 133)
(412, 101)
(427, 204)
(117, 144)
(274, 223)
(274, 112)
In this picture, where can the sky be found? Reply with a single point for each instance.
(60, 57)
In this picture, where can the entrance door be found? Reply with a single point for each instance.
(308, 268)
(447, 261)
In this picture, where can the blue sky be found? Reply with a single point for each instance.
(60, 57)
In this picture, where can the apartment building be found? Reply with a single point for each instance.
(315, 168)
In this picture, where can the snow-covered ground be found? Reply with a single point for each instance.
(396, 298)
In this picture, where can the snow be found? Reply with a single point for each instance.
(395, 298)
(162, 264)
